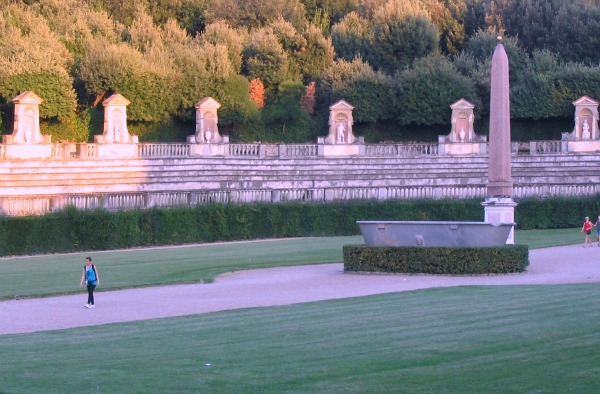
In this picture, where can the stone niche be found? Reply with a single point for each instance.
(26, 141)
(207, 140)
(462, 139)
(115, 141)
(585, 136)
(341, 140)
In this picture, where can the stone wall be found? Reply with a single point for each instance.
(165, 175)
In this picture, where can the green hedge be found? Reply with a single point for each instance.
(73, 230)
(436, 260)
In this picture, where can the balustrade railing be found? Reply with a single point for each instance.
(159, 150)
(164, 150)
(376, 150)
(418, 149)
(88, 150)
(244, 150)
(126, 201)
(301, 150)
(544, 147)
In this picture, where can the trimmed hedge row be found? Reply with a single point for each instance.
(72, 230)
(436, 260)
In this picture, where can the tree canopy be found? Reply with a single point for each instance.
(400, 62)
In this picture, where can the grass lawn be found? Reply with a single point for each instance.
(60, 274)
(501, 339)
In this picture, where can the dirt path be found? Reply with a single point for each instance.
(275, 286)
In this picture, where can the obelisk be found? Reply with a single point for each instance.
(499, 205)
(499, 165)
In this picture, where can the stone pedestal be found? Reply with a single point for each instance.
(37, 151)
(208, 149)
(501, 210)
(457, 149)
(583, 146)
(341, 150)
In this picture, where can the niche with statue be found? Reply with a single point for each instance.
(341, 140)
(585, 136)
(115, 141)
(26, 140)
(207, 141)
(462, 139)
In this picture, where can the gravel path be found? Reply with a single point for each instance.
(275, 286)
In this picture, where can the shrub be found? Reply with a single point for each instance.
(436, 260)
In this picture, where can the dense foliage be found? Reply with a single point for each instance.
(73, 230)
(436, 260)
(400, 62)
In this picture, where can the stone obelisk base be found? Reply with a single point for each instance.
(500, 210)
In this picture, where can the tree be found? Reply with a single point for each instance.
(147, 80)
(76, 25)
(350, 37)
(357, 83)
(293, 44)
(425, 91)
(254, 14)
(401, 33)
(257, 92)
(239, 115)
(336, 9)
(264, 58)
(284, 119)
(452, 31)
(308, 100)
(316, 55)
(556, 25)
(38, 62)
(220, 33)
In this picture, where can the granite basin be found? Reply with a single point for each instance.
(425, 233)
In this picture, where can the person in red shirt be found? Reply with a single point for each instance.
(587, 229)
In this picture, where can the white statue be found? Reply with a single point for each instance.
(117, 133)
(208, 135)
(586, 130)
(461, 134)
(340, 133)
(28, 135)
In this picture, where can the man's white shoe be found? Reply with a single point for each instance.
(88, 306)
(92, 306)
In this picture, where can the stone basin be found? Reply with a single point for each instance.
(418, 233)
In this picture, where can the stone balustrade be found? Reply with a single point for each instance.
(157, 150)
(169, 175)
(164, 150)
(299, 150)
(128, 201)
(244, 150)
